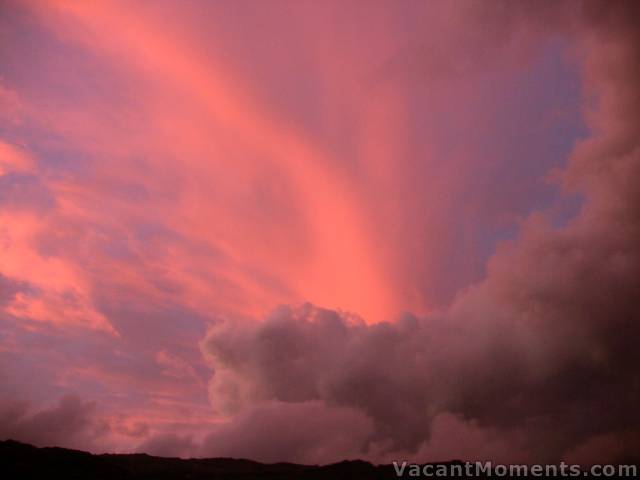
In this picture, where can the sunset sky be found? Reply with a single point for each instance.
(317, 230)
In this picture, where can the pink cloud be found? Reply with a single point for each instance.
(183, 177)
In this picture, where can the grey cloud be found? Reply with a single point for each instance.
(71, 423)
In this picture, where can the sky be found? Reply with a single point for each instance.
(309, 231)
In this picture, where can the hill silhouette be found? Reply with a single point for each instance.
(24, 461)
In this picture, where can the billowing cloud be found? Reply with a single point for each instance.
(310, 432)
(71, 423)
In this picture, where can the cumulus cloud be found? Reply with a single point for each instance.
(70, 423)
(542, 351)
(310, 432)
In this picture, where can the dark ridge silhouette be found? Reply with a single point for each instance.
(23, 461)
